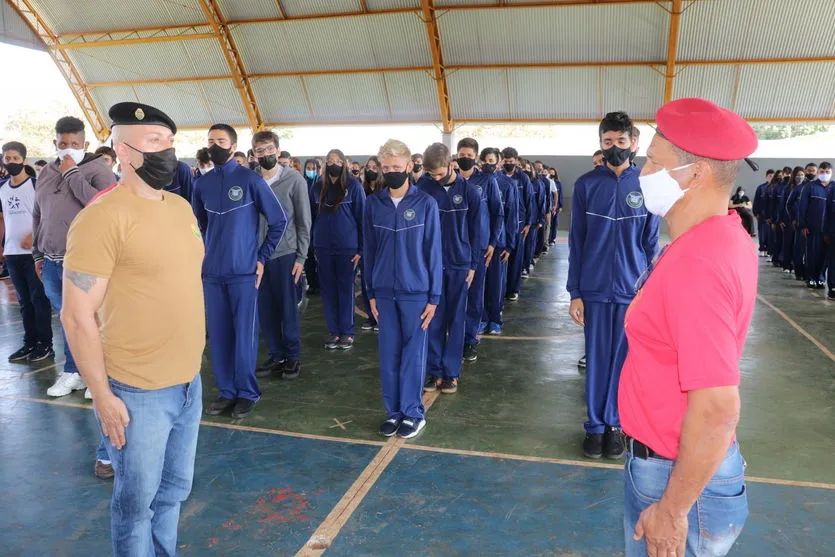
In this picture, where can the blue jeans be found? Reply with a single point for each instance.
(53, 282)
(715, 521)
(155, 468)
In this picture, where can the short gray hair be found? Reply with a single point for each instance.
(726, 172)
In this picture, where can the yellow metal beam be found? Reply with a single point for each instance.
(672, 49)
(236, 64)
(281, 9)
(65, 65)
(134, 41)
(434, 36)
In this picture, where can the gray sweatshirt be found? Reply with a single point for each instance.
(59, 198)
(291, 190)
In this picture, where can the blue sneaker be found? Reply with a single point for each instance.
(482, 328)
(495, 329)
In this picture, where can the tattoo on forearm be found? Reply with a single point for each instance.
(83, 281)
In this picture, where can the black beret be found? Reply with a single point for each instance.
(130, 113)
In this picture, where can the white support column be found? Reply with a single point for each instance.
(446, 138)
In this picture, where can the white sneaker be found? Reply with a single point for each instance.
(67, 383)
(88, 395)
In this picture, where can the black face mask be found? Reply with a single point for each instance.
(253, 165)
(810, 177)
(355, 172)
(418, 168)
(443, 181)
(394, 180)
(14, 168)
(334, 171)
(371, 176)
(489, 168)
(509, 167)
(616, 156)
(158, 168)
(465, 163)
(268, 162)
(219, 155)
(632, 155)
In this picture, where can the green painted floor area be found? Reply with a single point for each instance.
(524, 395)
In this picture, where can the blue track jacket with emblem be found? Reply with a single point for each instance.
(228, 202)
(402, 252)
(492, 210)
(509, 196)
(339, 232)
(612, 238)
(811, 207)
(460, 209)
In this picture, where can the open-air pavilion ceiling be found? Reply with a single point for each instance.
(270, 63)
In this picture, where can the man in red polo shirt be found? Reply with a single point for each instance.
(679, 399)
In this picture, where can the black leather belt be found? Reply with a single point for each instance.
(639, 450)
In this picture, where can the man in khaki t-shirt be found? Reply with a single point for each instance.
(134, 316)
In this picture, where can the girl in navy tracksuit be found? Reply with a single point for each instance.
(312, 175)
(372, 182)
(337, 243)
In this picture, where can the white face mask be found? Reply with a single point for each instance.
(76, 154)
(825, 177)
(661, 191)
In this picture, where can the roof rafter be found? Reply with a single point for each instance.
(434, 36)
(236, 63)
(66, 66)
(672, 49)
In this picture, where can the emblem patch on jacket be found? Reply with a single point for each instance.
(635, 199)
(409, 214)
(458, 200)
(236, 193)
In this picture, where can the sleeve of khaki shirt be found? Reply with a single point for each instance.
(93, 242)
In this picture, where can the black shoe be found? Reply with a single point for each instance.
(267, 368)
(513, 297)
(292, 370)
(820, 285)
(410, 428)
(582, 363)
(811, 284)
(41, 352)
(345, 343)
(831, 294)
(4, 274)
(312, 291)
(219, 406)
(470, 353)
(332, 343)
(432, 384)
(243, 408)
(593, 445)
(22, 354)
(368, 325)
(614, 444)
(389, 427)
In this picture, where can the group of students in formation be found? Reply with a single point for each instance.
(795, 212)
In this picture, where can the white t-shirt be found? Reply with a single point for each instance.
(553, 185)
(17, 203)
(396, 201)
(275, 177)
(447, 188)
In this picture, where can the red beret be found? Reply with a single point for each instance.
(704, 129)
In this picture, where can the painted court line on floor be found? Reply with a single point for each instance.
(327, 531)
(799, 329)
(45, 368)
(558, 337)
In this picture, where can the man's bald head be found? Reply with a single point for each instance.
(130, 141)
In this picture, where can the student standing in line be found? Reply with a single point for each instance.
(417, 168)
(404, 264)
(829, 240)
(537, 218)
(525, 214)
(782, 217)
(229, 203)
(337, 242)
(496, 280)
(760, 209)
(460, 206)
(313, 177)
(556, 207)
(372, 182)
(812, 211)
(278, 297)
(491, 223)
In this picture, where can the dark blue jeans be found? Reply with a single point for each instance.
(34, 305)
(278, 309)
(53, 282)
(715, 521)
(155, 468)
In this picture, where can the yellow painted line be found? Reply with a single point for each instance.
(327, 531)
(799, 329)
(792, 483)
(46, 368)
(502, 337)
(525, 458)
(293, 434)
(50, 402)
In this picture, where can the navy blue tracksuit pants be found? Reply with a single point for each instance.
(35, 309)
(475, 302)
(446, 331)
(555, 223)
(762, 232)
(530, 247)
(800, 270)
(403, 354)
(515, 266)
(788, 248)
(605, 354)
(815, 256)
(336, 279)
(777, 252)
(494, 289)
(830, 274)
(278, 309)
(231, 313)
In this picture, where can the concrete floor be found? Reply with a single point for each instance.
(498, 470)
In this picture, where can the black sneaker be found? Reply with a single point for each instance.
(593, 445)
(41, 352)
(582, 363)
(820, 285)
(470, 353)
(345, 343)
(811, 284)
(525, 275)
(410, 428)
(22, 354)
(368, 325)
(389, 427)
(432, 384)
(219, 406)
(243, 408)
(267, 368)
(449, 386)
(831, 294)
(332, 343)
(4, 273)
(292, 370)
(614, 445)
(513, 297)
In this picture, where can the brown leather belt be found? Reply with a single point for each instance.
(639, 450)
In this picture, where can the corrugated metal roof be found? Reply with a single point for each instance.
(378, 41)
(391, 4)
(295, 8)
(773, 90)
(714, 83)
(412, 96)
(14, 30)
(281, 99)
(357, 97)
(553, 93)
(73, 17)
(633, 32)
(477, 94)
(249, 9)
(200, 57)
(637, 91)
(711, 30)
